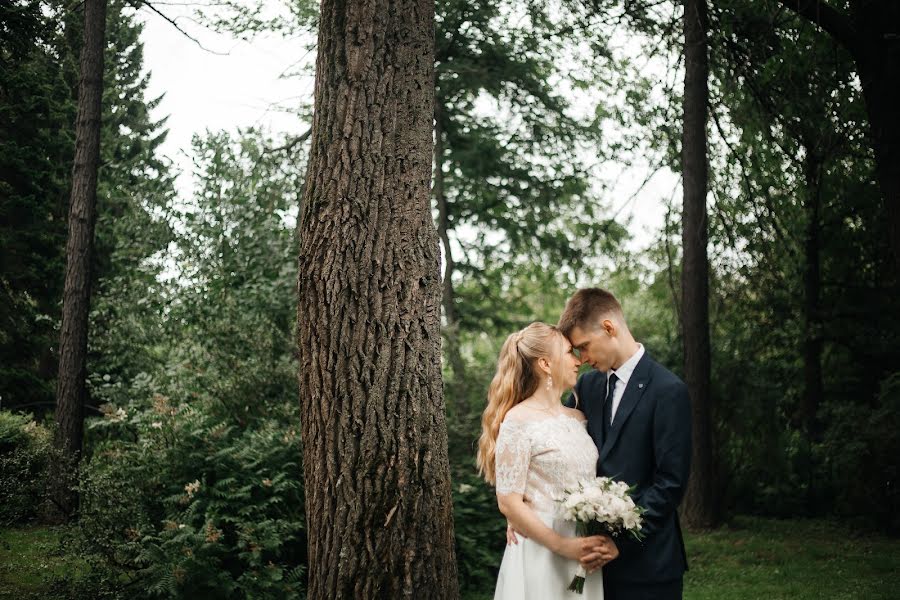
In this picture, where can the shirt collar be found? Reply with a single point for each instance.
(624, 372)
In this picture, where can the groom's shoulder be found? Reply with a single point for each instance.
(591, 378)
(663, 378)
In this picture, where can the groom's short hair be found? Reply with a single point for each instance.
(586, 308)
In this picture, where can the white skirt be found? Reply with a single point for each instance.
(530, 571)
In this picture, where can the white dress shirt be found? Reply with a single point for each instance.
(623, 373)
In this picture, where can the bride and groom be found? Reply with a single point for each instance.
(628, 418)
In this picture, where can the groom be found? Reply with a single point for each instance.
(639, 416)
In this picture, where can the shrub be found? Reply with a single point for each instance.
(186, 504)
(861, 452)
(25, 448)
(480, 532)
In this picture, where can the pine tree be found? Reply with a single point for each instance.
(70, 384)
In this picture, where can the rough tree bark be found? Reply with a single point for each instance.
(870, 32)
(70, 387)
(377, 475)
(699, 506)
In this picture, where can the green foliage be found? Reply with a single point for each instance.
(191, 506)
(802, 253)
(514, 189)
(480, 532)
(38, 89)
(866, 451)
(134, 215)
(36, 145)
(25, 452)
(193, 483)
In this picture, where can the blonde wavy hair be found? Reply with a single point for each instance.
(516, 379)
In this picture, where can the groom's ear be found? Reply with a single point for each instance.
(610, 327)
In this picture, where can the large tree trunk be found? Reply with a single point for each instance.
(377, 475)
(699, 507)
(70, 387)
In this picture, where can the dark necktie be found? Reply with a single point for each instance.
(607, 404)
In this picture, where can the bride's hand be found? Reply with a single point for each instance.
(577, 548)
(600, 555)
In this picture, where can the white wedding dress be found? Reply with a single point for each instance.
(540, 459)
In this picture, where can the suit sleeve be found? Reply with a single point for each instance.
(576, 391)
(672, 463)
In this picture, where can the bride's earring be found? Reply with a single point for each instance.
(550, 382)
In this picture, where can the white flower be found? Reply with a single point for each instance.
(601, 500)
(594, 494)
(114, 415)
(574, 500)
(156, 424)
(465, 488)
(192, 487)
(630, 521)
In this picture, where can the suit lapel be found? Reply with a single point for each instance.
(636, 387)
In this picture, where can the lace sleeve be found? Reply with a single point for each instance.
(513, 456)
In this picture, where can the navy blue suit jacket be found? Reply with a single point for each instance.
(647, 446)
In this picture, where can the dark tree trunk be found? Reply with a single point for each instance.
(879, 70)
(872, 36)
(70, 387)
(812, 283)
(699, 508)
(813, 342)
(448, 301)
(377, 475)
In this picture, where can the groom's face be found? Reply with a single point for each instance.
(595, 346)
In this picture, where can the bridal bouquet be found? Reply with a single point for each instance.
(600, 506)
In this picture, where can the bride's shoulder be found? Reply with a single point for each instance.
(574, 413)
(523, 415)
(518, 414)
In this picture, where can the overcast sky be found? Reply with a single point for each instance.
(240, 85)
(232, 84)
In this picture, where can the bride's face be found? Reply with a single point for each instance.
(565, 363)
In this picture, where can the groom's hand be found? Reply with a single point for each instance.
(511, 535)
(602, 553)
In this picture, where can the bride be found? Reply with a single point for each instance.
(532, 448)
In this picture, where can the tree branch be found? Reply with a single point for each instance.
(292, 143)
(172, 22)
(831, 20)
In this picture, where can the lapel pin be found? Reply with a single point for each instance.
(640, 385)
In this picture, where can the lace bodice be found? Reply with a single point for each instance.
(541, 458)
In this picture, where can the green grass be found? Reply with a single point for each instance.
(30, 560)
(792, 559)
(751, 558)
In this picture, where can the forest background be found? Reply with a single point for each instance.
(190, 481)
